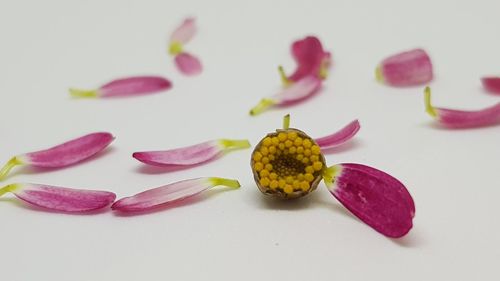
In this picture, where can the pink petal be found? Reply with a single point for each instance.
(61, 198)
(453, 118)
(339, 137)
(191, 155)
(491, 84)
(62, 155)
(296, 92)
(162, 196)
(126, 87)
(375, 197)
(188, 64)
(310, 57)
(406, 69)
(184, 32)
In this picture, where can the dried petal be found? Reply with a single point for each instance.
(375, 197)
(184, 32)
(311, 59)
(162, 196)
(460, 118)
(188, 64)
(340, 137)
(62, 155)
(60, 198)
(492, 84)
(299, 91)
(191, 155)
(409, 68)
(125, 87)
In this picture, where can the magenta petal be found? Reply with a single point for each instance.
(310, 56)
(375, 197)
(70, 152)
(453, 118)
(129, 86)
(188, 64)
(491, 84)
(339, 137)
(61, 198)
(163, 195)
(184, 32)
(406, 69)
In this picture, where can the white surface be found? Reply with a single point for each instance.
(48, 46)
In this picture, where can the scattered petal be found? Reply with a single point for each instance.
(375, 197)
(299, 91)
(60, 198)
(184, 32)
(191, 155)
(311, 59)
(491, 84)
(125, 87)
(340, 137)
(162, 196)
(409, 68)
(62, 155)
(460, 118)
(188, 64)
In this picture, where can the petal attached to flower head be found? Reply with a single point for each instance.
(491, 84)
(340, 137)
(460, 118)
(299, 91)
(375, 197)
(191, 155)
(310, 57)
(126, 87)
(162, 196)
(184, 32)
(406, 69)
(62, 155)
(61, 198)
(188, 64)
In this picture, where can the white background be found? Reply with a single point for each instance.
(48, 46)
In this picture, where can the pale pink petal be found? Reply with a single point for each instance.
(162, 196)
(126, 87)
(296, 92)
(188, 64)
(184, 32)
(61, 198)
(491, 84)
(191, 155)
(375, 197)
(340, 137)
(406, 69)
(453, 118)
(62, 155)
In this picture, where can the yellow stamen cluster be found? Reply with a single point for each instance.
(288, 163)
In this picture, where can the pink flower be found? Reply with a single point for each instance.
(129, 86)
(408, 68)
(453, 118)
(187, 63)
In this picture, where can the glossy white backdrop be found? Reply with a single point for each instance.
(48, 46)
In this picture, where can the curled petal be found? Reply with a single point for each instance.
(405, 69)
(125, 87)
(62, 155)
(60, 198)
(340, 137)
(311, 59)
(162, 196)
(184, 32)
(460, 118)
(191, 155)
(375, 197)
(188, 64)
(296, 92)
(491, 84)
